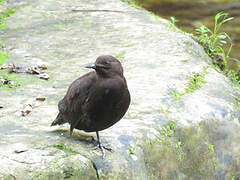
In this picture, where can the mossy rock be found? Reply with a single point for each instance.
(72, 167)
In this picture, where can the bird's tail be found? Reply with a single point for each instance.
(59, 120)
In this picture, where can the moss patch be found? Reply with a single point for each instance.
(15, 80)
(72, 167)
(178, 153)
(196, 80)
(187, 152)
(64, 148)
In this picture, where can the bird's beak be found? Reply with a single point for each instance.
(92, 66)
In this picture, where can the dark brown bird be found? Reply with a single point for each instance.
(96, 100)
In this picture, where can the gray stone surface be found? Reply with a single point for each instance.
(157, 59)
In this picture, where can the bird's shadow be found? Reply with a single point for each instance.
(77, 136)
(87, 140)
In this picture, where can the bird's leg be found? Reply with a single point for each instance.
(99, 145)
(71, 130)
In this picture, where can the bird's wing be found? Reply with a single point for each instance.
(73, 104)
(78, 93)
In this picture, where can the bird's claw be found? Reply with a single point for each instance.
(99, 145)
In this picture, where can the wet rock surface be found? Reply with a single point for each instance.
(157, 59)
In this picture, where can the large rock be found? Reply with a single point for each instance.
(157, 58)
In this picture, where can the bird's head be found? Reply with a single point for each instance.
(107, 66)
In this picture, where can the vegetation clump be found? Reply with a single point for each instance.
(216, 42)
(177, 153)
(5, 80)
(3, 15)
(64, 148)
(195, 82)
(218, 45)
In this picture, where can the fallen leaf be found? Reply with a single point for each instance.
(43, 66)
(31, 104)
(15, 69)
(44, 76)
(27, 109)
(6, 81)
(40, 99)
(20, 151)
(19, 148)
(2, 81)
(33, 70)
(4, 66)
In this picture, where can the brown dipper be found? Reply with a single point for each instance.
(96, 100)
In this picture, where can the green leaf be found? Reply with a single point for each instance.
(229, 51)
(228, 37)
(221, 36)
(228, 19)
(174, 20)
(210, 147)
(2, 26)
(3, 56)
(223, 42)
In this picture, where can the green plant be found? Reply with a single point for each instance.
(168, 130)
(132, 3)
(195, 82)
(177, 95)
(180, 150)
(234, 75)
(215, 41)
(165, 111)
(173, 20)
(180, 153)
(218, 46)
(64, 148)
(3, 15)
(131, 150)
(211, 149)
(3, 56)
(12, 81)
(120, 56)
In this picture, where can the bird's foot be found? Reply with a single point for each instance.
(99, 145)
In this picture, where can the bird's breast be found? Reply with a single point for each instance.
(107, 104)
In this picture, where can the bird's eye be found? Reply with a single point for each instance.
(107, 62)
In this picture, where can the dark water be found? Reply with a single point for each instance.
(192, 14)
